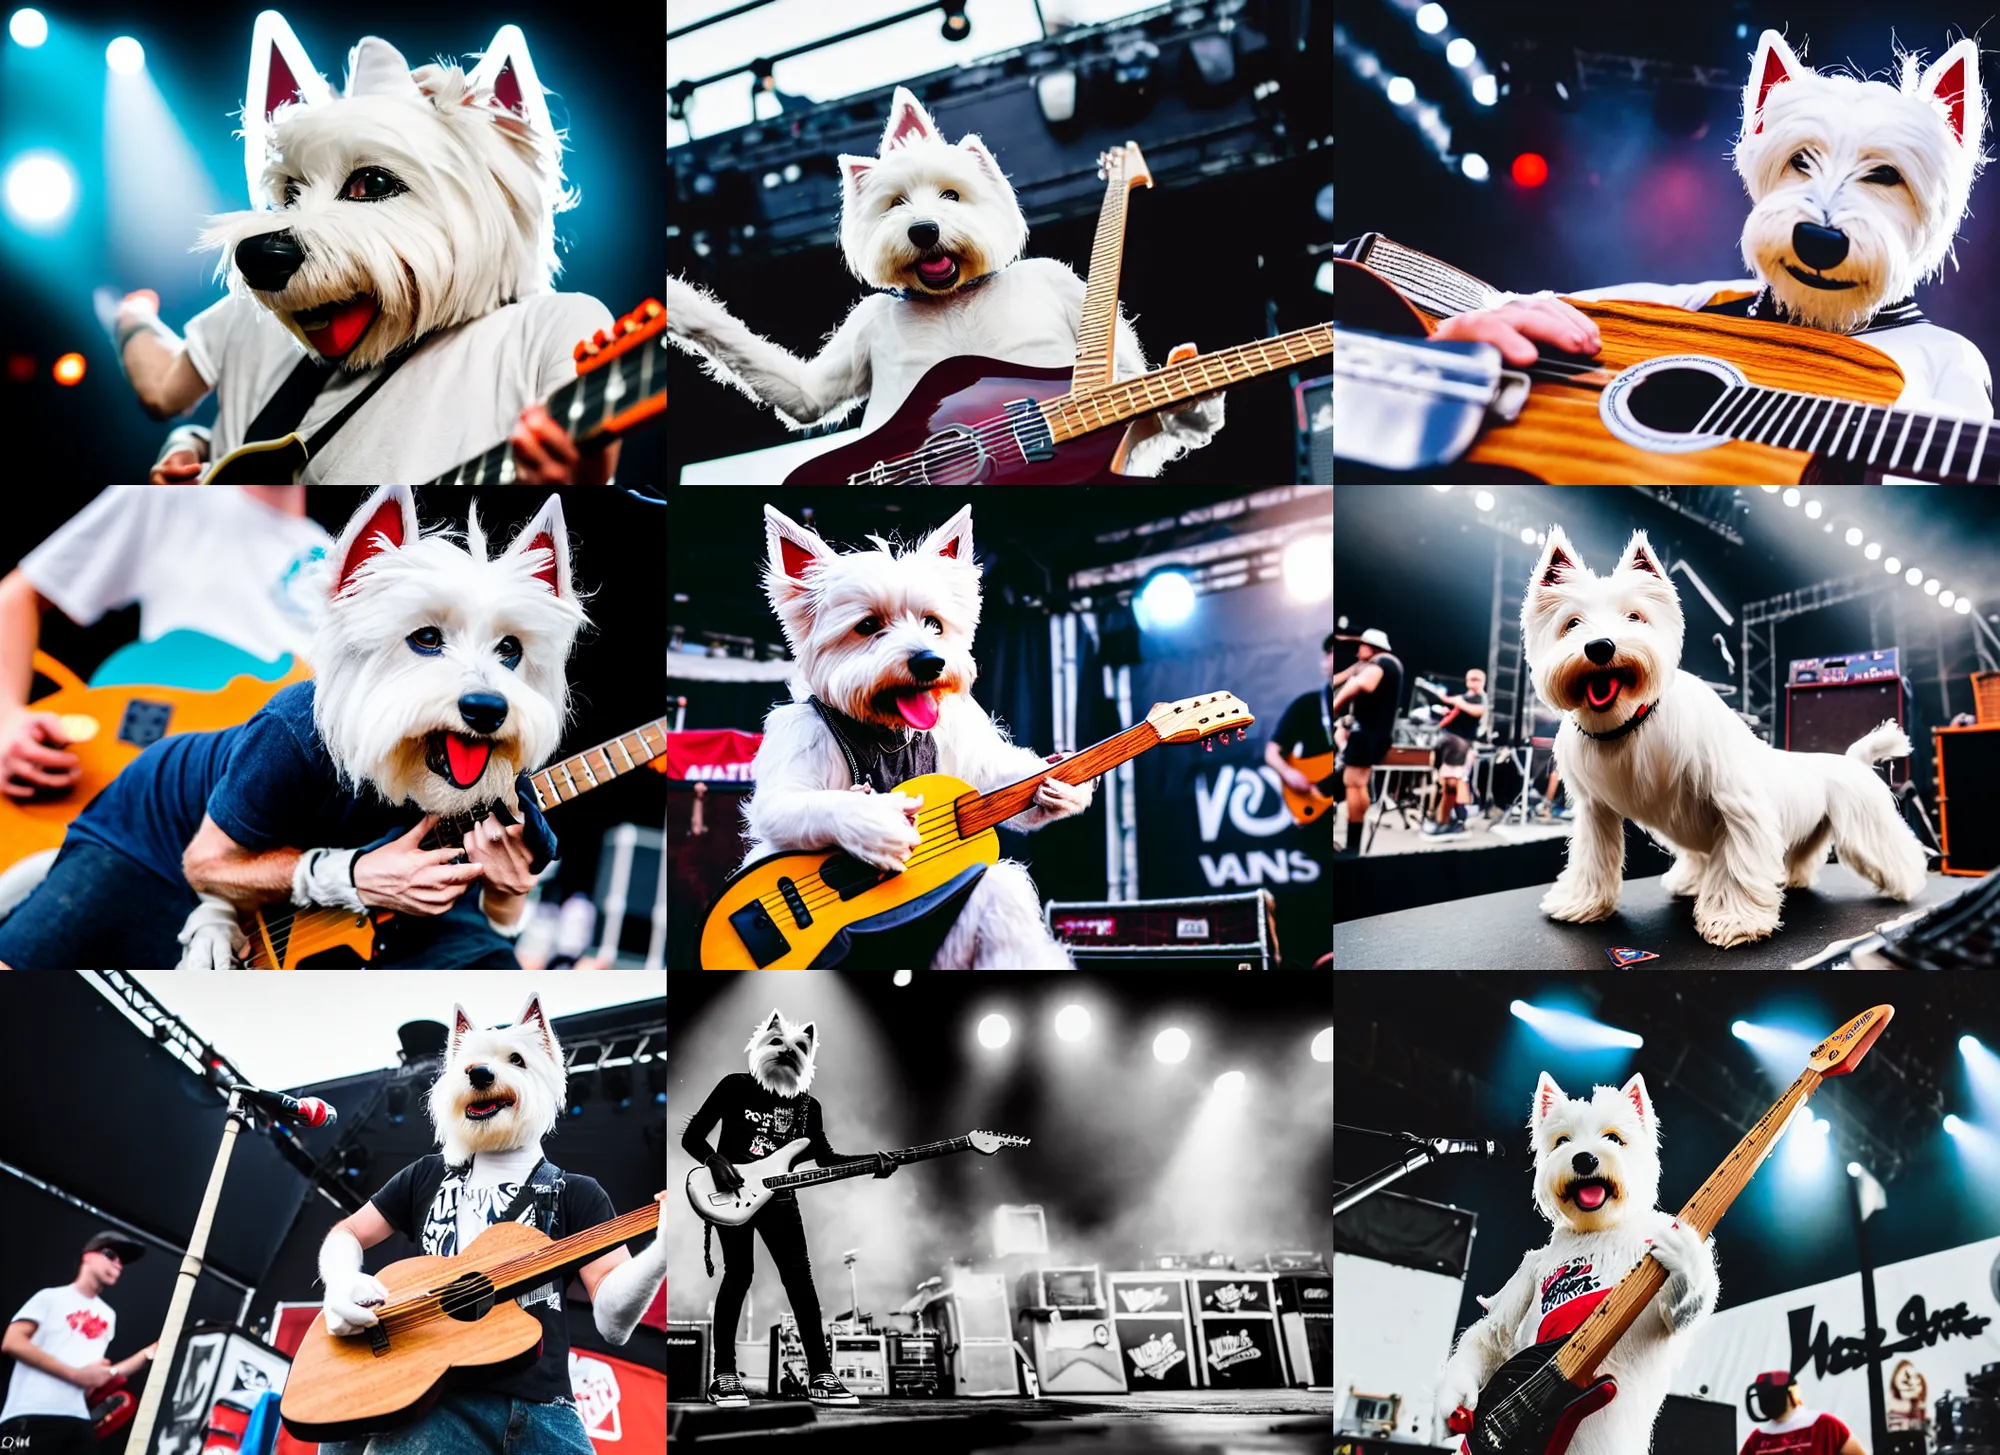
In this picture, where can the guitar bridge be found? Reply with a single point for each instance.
(378, 1340)
(1031, 430)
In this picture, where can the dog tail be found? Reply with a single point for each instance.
(1886, 741)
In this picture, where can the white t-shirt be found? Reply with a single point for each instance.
(69, 1327)
(493, 1183)
(214, 561)
(455, 398)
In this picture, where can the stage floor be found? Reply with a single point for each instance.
(1507, 931)
(1482, 831)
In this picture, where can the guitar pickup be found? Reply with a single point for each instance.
(1031, 430)
(759, 933)
(144, 723)
(795, 902)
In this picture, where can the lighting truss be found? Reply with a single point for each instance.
(1716, 509)
(166, 1028)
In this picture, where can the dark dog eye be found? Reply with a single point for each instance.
(516, 1059)
(510, 652)
(1572, 623)
(1799, 164)
(868, 626)
(1560, 1140)
(898, 202)
(1614, 1138)
(1634, 616)
(370, 184)
(934, 624)
(1885, 176)
(949, 195)
(291, 190)
(428, 640)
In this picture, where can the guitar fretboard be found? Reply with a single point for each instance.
(1871, 436)
(867, 1166)
(587, 406)
(1075, 414)
(1097, 332)
(531, 1268)
(574, 776)
(1435, 287)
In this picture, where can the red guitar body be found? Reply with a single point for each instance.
(955, 398)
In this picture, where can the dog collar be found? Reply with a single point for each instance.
(1899, 314)
(1645, 711)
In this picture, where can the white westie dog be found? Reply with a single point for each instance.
(1641, 739)
(1597, 1181)
(498, 1090)
(781, 1053)
(440, 673)
(935, 226)
(883, 642)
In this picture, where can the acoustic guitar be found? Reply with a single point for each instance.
(767, 1177)
(1679, 397)
(448, 1321)
(802, 909)
(620, 382)
(1305, 807)
(1534, 1402)
(282, 938)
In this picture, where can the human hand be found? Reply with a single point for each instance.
(176, 467)
(32, 757)
(885, 1163)
(881, 828)
(212, 938)
(404, 876)
(1293, 779)
(351, 1303)
(727, 1178)
(502, 852)
(1059, 799)
(92, 1376)
(1516, 328)
(544, 453)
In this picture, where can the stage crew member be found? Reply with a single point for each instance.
(57, 1341)
(1786, 1427)
(1374, 684)
(1455, 742)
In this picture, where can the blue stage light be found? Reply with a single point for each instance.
(40, 190)
(1166, 600)
(1982, 1075)
(1780, 1050)
(1970, 1046)
(125, 56)
(29, 28)
(1954, 1124)
(1575, 1032)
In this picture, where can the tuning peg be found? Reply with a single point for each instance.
(1208, 745)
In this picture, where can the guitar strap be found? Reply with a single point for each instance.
(283, 411)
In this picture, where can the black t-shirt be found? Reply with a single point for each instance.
(1376, 711)
(1463, 723)
(754, 1124)
(406, 1202)
(1301, 731)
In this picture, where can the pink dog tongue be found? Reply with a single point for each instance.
(1601, 690)
(919, 709)
(1590, 1197)
(936, 268)
(467, 758)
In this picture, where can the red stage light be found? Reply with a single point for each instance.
(1531, 169)
(20, 368)
(69, 369)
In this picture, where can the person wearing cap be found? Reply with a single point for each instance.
(58, 1341)
(1786, 1427)
(1374, 684)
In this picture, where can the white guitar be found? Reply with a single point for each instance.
(764, 1179)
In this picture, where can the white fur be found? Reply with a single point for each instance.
(1618, 1129)
(474, 230)
(781, 1054)
(1841, 128)
(377, 700)
(1027, 312)
(804, 796)
(1745, 820)
(539, 1085)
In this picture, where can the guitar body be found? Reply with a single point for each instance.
(1305, 807)
(733, 1209)
(341, 1389)
(798, 911)
(262, 462)
(296, 939)
(953, 398)
(1527, 1408)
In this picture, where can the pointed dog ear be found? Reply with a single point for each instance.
(1773, 65)
(532, 1014)
(812, 1037)
(280, 75)
(1634, 1091)
(790, 551)
(853, 172)
(508, 72)
(386, 521)
(460, 1029)
(546, 532)
(908, 122)
(985, 158)
(1547, 1095)
(1953, 81)
(776, 1022)
(1639, 556)
(953, 539)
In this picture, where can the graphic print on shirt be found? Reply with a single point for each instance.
(773, 1129)
(1569, 1294)
(440, 1234)
(88, 1324)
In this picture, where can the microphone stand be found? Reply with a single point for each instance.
(1416, 1153)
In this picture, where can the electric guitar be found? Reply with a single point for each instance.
(282, 938)
(1677, 397)
(620, 382)
(448, 1321)
(802, 909)
(1305, 807)
(764, 1179)
(1534, 1402)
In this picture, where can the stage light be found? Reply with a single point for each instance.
(1072, 1023)
(1931, 586)
(41, 190)
(1945, 598)
(994, 1032)
(1969, 1046)
(956, 26)
(1166, 600)
(901, 977)
(1527, 535)
(1953, 1123)
(1323, 1045)
(1573, 1032)
(1401, 90)
(1964, 607)
(1893, 566)
(1483, 501)
(1780, 1050)
(1232, 1086)
(1768, 489)
(1431, 18)
(1486, 90)
(1307, 567)
(69, 369)
(1474, 166)
(1873, 550)
(1323, 278)
(1813, 508)
(1854, 1169)
(1914, 576)
(1461, 52)
(1854, 535)
(29, 28)
(1442, 489)
(1530, 169)
(1171, 1045)
(125, 56)
(1791, 497)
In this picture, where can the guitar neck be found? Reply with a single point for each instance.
(988, 809)
(866, 1167)
(1096, 333)
(532, 1268)
(1871, 436)
(1437, 288)
(612, 397)
(593, 767)
(1095, 409)
(1585, 1350)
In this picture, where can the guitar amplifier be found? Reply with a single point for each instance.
(690, 1362)
(1305, 1318)
(1831, 703)
(1149, 1318)
(1066, 1330)
(785, 1374)
(861, 1362)
(913, 1366)
(1690, 1426)
(1968, 790)
(1236, 1331)
(972, 1323)
(1207, 932)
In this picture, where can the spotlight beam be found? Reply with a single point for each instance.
(1573, 1032)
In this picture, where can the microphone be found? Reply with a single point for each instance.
(1723, 647)
(1453, 1147)
(310, 1111)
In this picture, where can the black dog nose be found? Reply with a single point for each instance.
(268, 260)
(1601, 650)
(925, 666)
(1585, 1163)
(1819, 247)
(483, 711)
(924, 234)
(479, 1076)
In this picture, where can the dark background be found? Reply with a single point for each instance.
(1640, 185)
(602, 68)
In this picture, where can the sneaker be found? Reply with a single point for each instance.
(1433, 827)
(727, 1390)
(1456, 826)
(825, 1389)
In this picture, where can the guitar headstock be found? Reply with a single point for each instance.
(1840, 1052)
(1126, 164)
(1199, 717)
(987, 1143)
(646, 321)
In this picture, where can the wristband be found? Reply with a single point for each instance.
(185, 437)
(326, 876)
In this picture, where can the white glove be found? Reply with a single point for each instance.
(627, 1291)
(212, 938)
(1691, 1282)
(1457, 1389)
(351, 1295)
(326, 876)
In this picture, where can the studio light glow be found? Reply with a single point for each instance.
(1573, 1032)
(995, 1032)
(1231, 1087)
(1914, 576)
(1527, 535)
(1072, 1023)
(901, 977)
(1171, 1045)
(1431, 18)
(1486, 90)
(1307, 567)
(1475, 166)
(69, 369)
(1779, 1049)
(1854, 535)
(1946, 598)
(1873, 550)
(1963, 607)
(1893, 566)
(40, 190)
(1165, 601)
(125, 56)
(1461, 52)
(29, 28)
(1484, 501)
(1323, 1045)
(1813, 509)
(1790, 497)
(1401, 90)
(1954, 1124)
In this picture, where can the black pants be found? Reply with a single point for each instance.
(785, 1235)
(49, 1435)
(97, 910)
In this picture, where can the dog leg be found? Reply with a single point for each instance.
(1808, 857)
(1587, 889)
(803, 391)
(1871, 837)
(1000, 927)
(1739, 898)
(1685, 876)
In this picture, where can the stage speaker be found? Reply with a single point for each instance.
(1968, 790)
(1829, 717)
(1305, 1317)
(688, 1360)
(913, 1365)
(785, 1375)
(1236, 1331)
(973, 1327)
(1690, 1426)
(861, 1362)
(1066, 1330)
(1207, 932)
(1149, 1315)
(1313, 399)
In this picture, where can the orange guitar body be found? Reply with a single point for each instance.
(1306, 807)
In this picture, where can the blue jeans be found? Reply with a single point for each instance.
(473, 1422)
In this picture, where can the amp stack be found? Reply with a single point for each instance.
(1236, 1330)
(1831, 702)
(1206, 932)
(1305, 1319)
(689, 1360)
(1968, 791)
(1149, 1319)
(1067, 1330)
(970, 1318)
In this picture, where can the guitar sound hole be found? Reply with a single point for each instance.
(1673, 401)
(953, 456)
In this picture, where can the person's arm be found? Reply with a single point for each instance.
(1362, 682)
(154, 357)
(1274, 758)
(32, 744)
(1853, 1447)
(216, 864)
(622, 1287)
(400, 875)
(821, 1151)
(20, 1345)
(1470, 709)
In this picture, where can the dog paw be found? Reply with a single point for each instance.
(1577, 905)
(1723, 925)
(1683, 879)
(877, 829)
